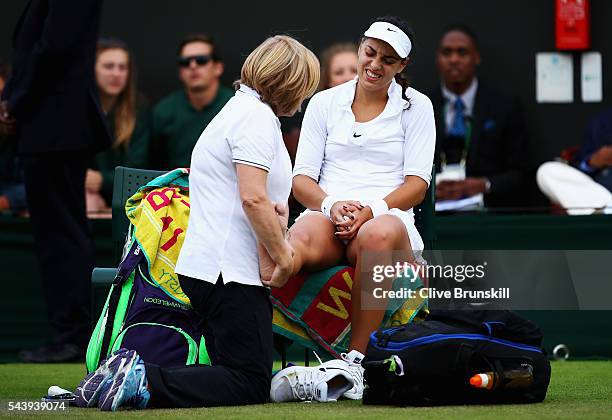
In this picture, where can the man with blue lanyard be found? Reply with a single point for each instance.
(481, 136)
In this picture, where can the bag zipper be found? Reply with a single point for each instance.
(441, 337)
(193, 348)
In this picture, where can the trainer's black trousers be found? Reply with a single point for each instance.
(237, 325)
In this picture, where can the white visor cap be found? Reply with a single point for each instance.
(392, 35)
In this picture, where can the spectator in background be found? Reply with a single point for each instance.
(128, 118)
(52, 98)
(12, 190)
(589, 187)
(480, 133)
(595, 155)
(180, 118)
(338, 64)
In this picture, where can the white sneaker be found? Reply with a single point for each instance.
(298, 383)
(350, 361)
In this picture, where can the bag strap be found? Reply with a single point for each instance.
(126, 267)
(129, 263)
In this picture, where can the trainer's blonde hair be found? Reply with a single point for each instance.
(283, 72)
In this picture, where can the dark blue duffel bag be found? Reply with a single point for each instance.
(432, 362)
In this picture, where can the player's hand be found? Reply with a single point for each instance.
(342, 213)
(360, 217)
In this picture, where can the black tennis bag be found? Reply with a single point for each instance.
(431, 362)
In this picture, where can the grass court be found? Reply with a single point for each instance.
(578, 389)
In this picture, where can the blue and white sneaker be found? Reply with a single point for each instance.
(128, 387)
(89, 389)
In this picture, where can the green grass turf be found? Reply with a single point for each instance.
(581, 389)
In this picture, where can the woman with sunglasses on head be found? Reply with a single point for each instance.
(129, 119)
(239, 181)
(364, 160)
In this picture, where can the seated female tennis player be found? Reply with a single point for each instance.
(363, 162)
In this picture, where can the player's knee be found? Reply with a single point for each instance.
(300, 240)
(377, 235)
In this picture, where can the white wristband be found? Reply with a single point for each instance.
(379, 207)
(327, 204)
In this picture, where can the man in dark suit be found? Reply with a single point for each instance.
(52, 97)
(478, 129)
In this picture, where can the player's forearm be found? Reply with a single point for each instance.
(308, 192)
(408, 195)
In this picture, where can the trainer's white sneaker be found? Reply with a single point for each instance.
(298, 383)
(350, 361)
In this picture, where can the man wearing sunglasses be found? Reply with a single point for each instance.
(180, 117)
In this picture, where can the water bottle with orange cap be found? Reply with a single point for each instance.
(514, 378)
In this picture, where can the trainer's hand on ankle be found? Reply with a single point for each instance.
(360, 217)
(282, 271)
